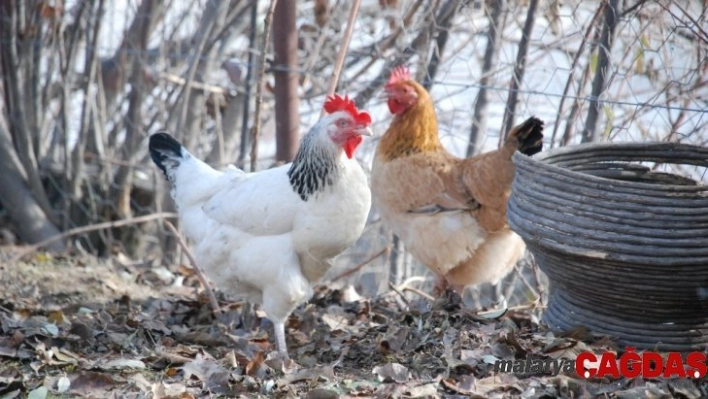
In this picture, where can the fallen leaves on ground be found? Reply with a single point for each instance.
(58, 340)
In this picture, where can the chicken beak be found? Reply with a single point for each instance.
(365, 131)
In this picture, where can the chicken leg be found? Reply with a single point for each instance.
(280, 339)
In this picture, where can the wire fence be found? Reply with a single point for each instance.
(640, 68)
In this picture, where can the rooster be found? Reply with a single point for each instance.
(269, 236)
(450, 213)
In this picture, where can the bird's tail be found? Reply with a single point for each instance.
(527, 137)
(167, 153)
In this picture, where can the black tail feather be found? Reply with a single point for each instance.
(529, 136)
(163, 146)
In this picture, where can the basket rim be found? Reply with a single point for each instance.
(544, 160)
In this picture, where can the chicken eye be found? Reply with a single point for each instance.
(343, 123)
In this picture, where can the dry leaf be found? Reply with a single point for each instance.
(392, 372)
(214, 376)
(7, 348)
(163, 390)
(63, 384)
(91, 383)
(427, 390)
(39, 393)
(255, 364)
(141, 382)
(325, 372)
(120, 364)
(464, 386)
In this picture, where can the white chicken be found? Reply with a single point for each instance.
(268, 236)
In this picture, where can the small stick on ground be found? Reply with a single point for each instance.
(403, 297)
(419, 292)
(533, 305)
(406, 286)
(356, 268)
(212, 299)
(526, 282)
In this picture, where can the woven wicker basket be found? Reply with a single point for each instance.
(625, 248)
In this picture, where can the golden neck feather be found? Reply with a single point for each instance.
(413, 131)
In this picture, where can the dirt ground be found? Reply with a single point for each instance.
(81, 327)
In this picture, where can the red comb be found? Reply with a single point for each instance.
(338, 103)
(399, 74)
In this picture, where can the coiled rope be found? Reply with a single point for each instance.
(625, 247)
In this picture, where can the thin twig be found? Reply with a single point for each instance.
(259, 85)
(241, 162)
(633, 8)
(573, 65)
(93, 227)
(202, 278)
(194, 84)
(602, 71)
(376, 50)
(419, 292)
(406, 286)
(537, 278)
(526, 282)
(533, 305)
(356, 268)
(173, 358)
(343, 50)
(397, 291)
(519, 71)
(446, 12)
(490, 60)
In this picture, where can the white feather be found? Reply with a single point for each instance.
(251, 230)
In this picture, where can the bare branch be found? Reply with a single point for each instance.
(134, 118)
(353, 11)
(440, 44)
(245, 137)
(172, 78)
(575, 108)
(571, 76)
(519, 69)
(85, 229)
(446, 12)
(91, 64)
(256, 131)
(189, 104)
(590, 132)
(202, 278)
(479, 118)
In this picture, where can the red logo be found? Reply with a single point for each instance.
(646, 365)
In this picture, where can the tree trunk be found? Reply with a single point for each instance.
(17, 66)
(31, 222)
(285, 67)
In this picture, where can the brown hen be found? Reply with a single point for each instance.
(449, 212)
